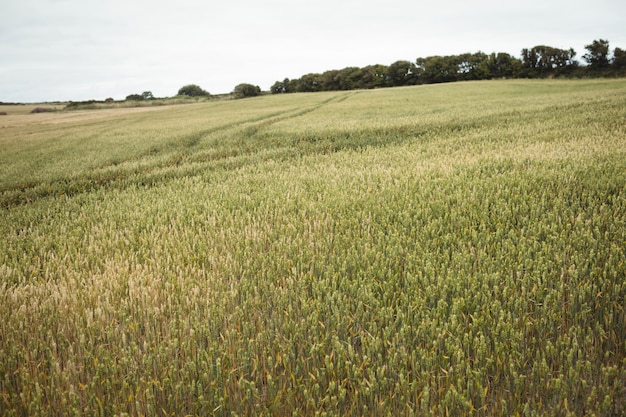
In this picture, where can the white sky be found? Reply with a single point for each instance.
(94, 49)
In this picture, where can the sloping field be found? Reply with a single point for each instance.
(437, 250)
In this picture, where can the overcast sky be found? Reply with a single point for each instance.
(93, 49)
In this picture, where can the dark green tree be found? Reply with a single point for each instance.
(352, 78)
(530, 63)
(597, 54)
(330, 80)
(309, 83)
(134, 97)
(503, 65)
(280, 87)
(542, 60)
(401, 73)
(192, 90)
(619, 59)
(472, 66)
(245, 90)
(373, 76)
(439, 69)
(147, 95)
(292, 85)
(345, 79)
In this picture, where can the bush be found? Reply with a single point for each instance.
(192, 90)
(134, 97)
(41, 110)
(246, 90)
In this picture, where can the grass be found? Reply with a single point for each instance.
(436, 250)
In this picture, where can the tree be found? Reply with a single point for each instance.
(192, 90)
(292, 85)
(438, 69)
(346, 79)
(619, 59)
(543, 60)
(351, 78)
(373, 76)
(147, 95)
(280, 87)
(134, 97)
(472, 66)
(503, 65)
(598, 54)
(401, 73)
(330, 80)
(246, 90)
(309, 83)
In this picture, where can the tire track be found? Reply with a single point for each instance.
(298, 112)
(182, 150)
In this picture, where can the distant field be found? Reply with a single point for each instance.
(22, 109)
(442, 250)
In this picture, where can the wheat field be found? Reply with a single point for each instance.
(438, 250)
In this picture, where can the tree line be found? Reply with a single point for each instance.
(242, 90)
(536, 62)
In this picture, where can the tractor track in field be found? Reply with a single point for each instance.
(183, 150)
